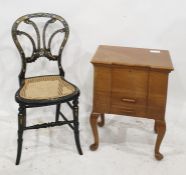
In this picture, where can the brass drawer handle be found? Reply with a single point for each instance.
(128, 111)
(128, 100)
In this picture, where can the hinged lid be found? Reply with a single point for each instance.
(115, 55)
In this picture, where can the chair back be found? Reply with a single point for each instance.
(42, 42)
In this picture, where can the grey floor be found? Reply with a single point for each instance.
(126, 148)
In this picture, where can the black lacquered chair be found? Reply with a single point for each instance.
(44, 90)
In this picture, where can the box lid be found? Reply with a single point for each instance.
(152, 58)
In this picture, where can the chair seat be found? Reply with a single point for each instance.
(45, 88)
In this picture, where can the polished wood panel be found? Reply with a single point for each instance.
(132, 82)
(158, 82)
(102, 89)
(125, 92)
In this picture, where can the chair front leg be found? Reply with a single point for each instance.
(21, 123)
(24, 116)
(57, 112)
(76, 125)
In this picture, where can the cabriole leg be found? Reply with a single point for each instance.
(76, 125)
(160, 129)
(155, 126)
(21, 123)
(93, 123)
(101, 123)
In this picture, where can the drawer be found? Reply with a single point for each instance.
(139, 111)
(122, 99)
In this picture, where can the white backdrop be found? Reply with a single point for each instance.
(146, 23)
(156, 24)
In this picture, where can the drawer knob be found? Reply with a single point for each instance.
(128, 100)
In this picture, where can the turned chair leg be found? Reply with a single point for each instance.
(160, 128)
(21, 123)
(24, 117)
(57, 112)
(76, 126)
